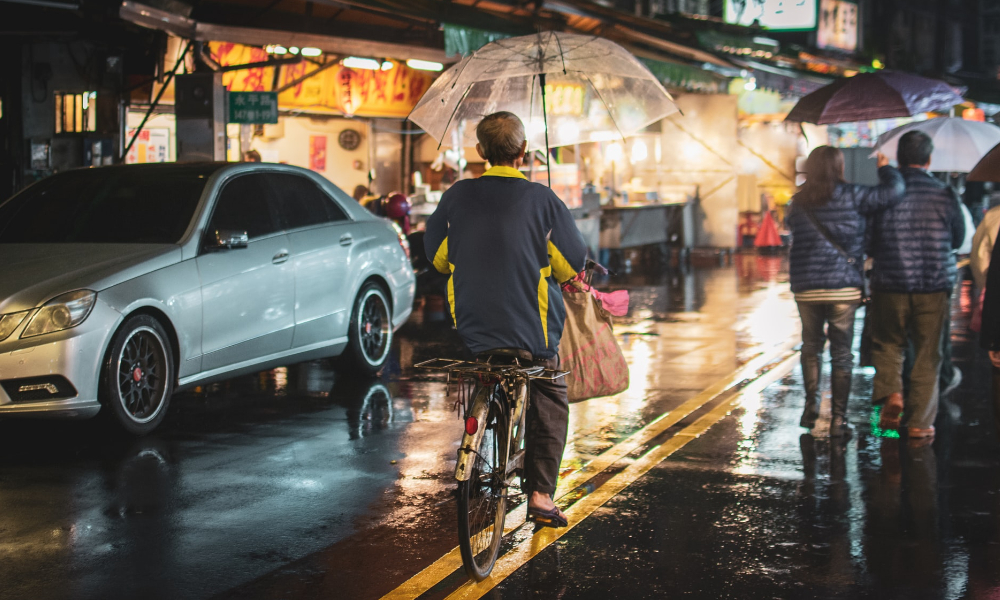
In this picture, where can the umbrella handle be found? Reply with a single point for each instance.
(545, 122)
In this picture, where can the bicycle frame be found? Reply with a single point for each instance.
(514, 381)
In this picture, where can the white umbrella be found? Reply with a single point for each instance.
(958, 144)
(596, 90)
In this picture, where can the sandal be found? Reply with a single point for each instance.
(547, 518)
(918, 433)
(893, 408)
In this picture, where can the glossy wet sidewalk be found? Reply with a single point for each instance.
(304, 482)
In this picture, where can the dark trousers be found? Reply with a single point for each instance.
(947, 369)
(898, 320)
(820, 321)
(545, 438)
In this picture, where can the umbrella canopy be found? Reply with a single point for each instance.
(869, 96)
(594, 90)
(988, 168)
(958, 144)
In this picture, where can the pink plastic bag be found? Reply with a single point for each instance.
(616, 303)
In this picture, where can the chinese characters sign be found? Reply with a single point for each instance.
(787, 15)
(360, 92)
(317, 152)
(152, 146)
(564, 100)
(253, 107)
(838, 25)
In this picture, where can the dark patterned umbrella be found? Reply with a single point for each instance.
(988, 168)
(869, 96)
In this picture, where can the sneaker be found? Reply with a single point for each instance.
(956, 380)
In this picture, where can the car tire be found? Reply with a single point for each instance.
(137, 378)
(370, 333)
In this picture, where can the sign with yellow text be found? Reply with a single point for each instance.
(390, 93)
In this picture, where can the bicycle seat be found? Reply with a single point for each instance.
(507, 353)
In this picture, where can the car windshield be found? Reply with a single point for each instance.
(111, 205)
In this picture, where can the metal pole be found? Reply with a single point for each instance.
(545, 121)
(170, 77)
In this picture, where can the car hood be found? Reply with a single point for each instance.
(35, 273)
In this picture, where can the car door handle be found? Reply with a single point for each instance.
(346, 240)
(280, 257)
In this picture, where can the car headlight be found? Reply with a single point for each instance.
(62, 312)
(10, 322)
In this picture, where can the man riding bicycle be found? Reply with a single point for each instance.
(508, 244)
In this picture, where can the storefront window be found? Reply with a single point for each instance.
(76, 113)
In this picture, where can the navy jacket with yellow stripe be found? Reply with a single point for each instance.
(508, 243)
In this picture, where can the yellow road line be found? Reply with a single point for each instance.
(514, 560)
(447, 564)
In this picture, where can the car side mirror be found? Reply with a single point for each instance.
(226, 239)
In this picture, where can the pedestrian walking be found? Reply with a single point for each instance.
(827, 219)
(914, 273)
(989, 335)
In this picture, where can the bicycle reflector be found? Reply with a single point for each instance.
(471, 426)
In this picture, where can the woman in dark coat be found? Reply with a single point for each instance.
(827, 220)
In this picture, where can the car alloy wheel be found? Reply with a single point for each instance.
(142, 374)
(374, 328)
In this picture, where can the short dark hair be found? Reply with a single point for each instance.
(501, 137)
(914, 148)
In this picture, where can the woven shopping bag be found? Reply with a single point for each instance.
(589, 350)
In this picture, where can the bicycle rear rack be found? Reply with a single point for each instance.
(468, 368)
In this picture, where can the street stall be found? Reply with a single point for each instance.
(342, 117)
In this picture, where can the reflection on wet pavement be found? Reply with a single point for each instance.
(304, 481)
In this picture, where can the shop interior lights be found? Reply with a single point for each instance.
(354, 62)
(424, 65)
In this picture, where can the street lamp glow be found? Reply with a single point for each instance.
(311, 52)
(639, 151)
(354, 62)
(424, 65)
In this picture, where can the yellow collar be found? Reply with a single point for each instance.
(501, 171)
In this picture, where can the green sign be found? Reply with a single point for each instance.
(252, 108)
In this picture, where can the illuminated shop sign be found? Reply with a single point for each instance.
(564, 100)
(838, 25)
(782, 15)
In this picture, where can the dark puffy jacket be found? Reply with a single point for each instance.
(912, 242)
(814, 264)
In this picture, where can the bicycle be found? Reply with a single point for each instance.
(492, 452)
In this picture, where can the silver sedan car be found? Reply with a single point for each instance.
(124, 284)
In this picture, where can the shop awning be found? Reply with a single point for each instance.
(679, 50)
(786, 81)
(178, 25)
(683, 76)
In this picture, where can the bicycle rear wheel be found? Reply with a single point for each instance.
(482, 501)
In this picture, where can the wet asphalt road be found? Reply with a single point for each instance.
(305, 482)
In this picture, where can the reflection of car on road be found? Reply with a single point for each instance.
(123, 284)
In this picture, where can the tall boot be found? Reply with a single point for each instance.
(840, 392)
(810, 378)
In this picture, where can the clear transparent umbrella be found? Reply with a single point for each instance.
(594, 90)
(958, 144)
